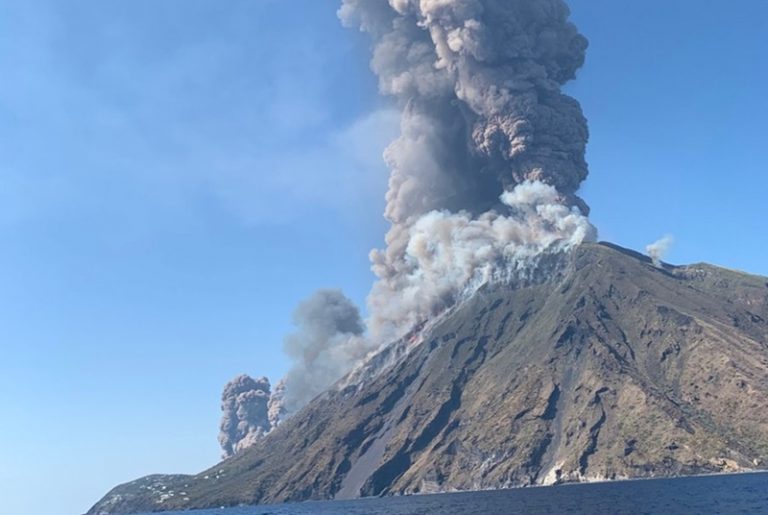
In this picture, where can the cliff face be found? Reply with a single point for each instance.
(613, 369)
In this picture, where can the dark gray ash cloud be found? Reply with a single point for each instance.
(329, 340)
(478, 82)
(484, 176)
(244, 413)
(276, 408)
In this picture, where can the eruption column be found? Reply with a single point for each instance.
(484, 176)
(484, 123)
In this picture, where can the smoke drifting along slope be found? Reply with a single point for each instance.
(484, 175)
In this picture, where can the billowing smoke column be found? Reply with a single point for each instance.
(245, 419)
(491, 152)
(328, 343)
(484, 175)
(276, 408)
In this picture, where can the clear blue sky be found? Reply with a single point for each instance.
(175, 175)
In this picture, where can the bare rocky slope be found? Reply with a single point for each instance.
(615, 368)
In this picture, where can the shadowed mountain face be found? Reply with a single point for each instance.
(612, 369)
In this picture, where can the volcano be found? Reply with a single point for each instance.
(612, 368)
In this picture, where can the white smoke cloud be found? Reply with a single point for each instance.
(659, 248)
(450, 252)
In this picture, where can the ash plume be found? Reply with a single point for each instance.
(245, 418)
(479, 82)
(276, 407)
(484, 124)
(329, 341)
(484, 175)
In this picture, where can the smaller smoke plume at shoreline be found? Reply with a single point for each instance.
(659, 248)
(328, 342)
(245, 419)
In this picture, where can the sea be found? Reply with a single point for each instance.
(734, 493)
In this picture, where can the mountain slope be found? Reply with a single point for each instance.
(613, 368)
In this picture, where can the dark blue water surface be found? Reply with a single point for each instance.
(741, 493)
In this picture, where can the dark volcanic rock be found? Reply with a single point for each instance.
(615, 368)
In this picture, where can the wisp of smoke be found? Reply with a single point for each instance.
(659, 248)
(484, 176)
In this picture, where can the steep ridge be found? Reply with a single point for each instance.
(615, 368)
